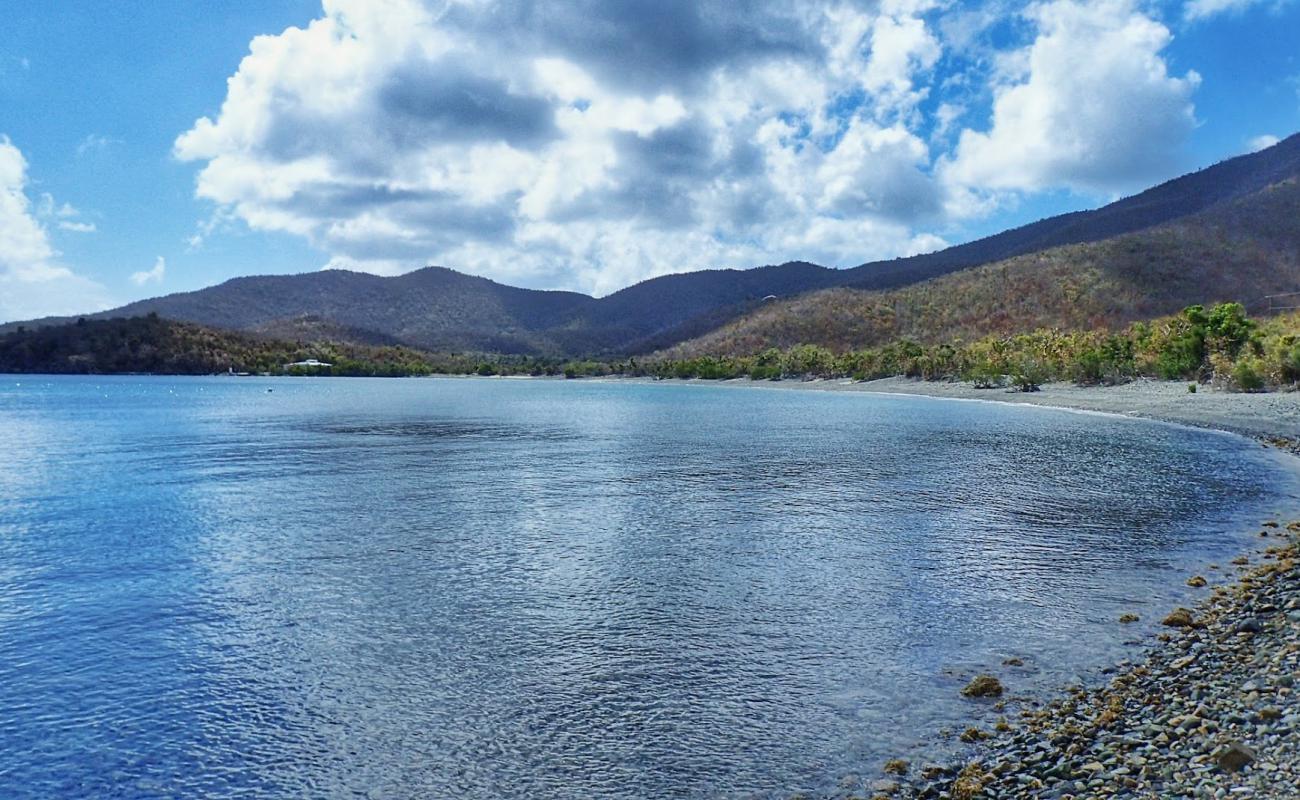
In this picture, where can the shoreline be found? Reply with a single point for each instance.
(1201, 710)
(1272, 418)
(1207, 709)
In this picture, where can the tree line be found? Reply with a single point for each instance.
(1220, 345)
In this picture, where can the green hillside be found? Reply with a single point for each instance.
(1244, 249)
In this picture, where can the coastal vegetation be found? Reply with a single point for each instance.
(1220, 345)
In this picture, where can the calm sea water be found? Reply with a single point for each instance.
(489, 588)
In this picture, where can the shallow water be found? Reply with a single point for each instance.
(548, 589)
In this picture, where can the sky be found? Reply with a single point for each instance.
(150, 148)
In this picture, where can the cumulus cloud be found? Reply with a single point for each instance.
(32, 282)
(590, 144)
(154, 275)
(583, 145)
(1088, 105)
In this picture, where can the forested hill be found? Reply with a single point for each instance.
(443, 310)
(154, 345)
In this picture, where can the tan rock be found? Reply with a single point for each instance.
(983, 686)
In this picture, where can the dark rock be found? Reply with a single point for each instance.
(1234, 756)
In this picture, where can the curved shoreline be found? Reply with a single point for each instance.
(1272, 418)
(1207, 710)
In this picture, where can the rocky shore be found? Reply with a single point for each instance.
(1211, 712)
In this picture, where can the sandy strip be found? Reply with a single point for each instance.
(1270, 416)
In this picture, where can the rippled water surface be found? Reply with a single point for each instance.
(548, 589)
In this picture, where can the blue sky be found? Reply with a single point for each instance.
(586, 145)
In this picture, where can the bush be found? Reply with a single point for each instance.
(1028, 375)
(983, 375)
(1246, 376)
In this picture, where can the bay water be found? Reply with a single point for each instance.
(480, 588)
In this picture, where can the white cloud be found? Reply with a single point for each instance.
(154, 275)
(32, 282)
(1262, 142)
(77, 227)
(1198, 10)
(589, 144)
(1089, 105)
(902, 47)
(581, 146)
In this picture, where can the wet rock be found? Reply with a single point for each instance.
(973, 735)
(897, 766)
(1179, 618)
(1196, 581)
(983, 686)
(1127, 618)
(885, 787)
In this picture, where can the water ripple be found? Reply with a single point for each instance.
(557, 590)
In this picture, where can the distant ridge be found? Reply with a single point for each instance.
(443, 310)
(1239, 250)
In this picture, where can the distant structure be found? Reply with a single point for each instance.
(311, 362)
(1282, 302)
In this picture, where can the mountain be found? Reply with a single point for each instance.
(442, 310)
(1238, 250)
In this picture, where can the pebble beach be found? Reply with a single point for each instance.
(1210, 711)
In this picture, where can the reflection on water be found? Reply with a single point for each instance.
(486, 588)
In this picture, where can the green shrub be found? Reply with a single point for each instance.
(1029, 374)
(983, 375)
(1246, 376)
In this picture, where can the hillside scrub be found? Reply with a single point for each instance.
(1245, 249)
(1221, 346)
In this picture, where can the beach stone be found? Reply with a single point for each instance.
(1234, 756)
(1196, 581)
(884, 786)
(1179, 618)
(983, 686)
